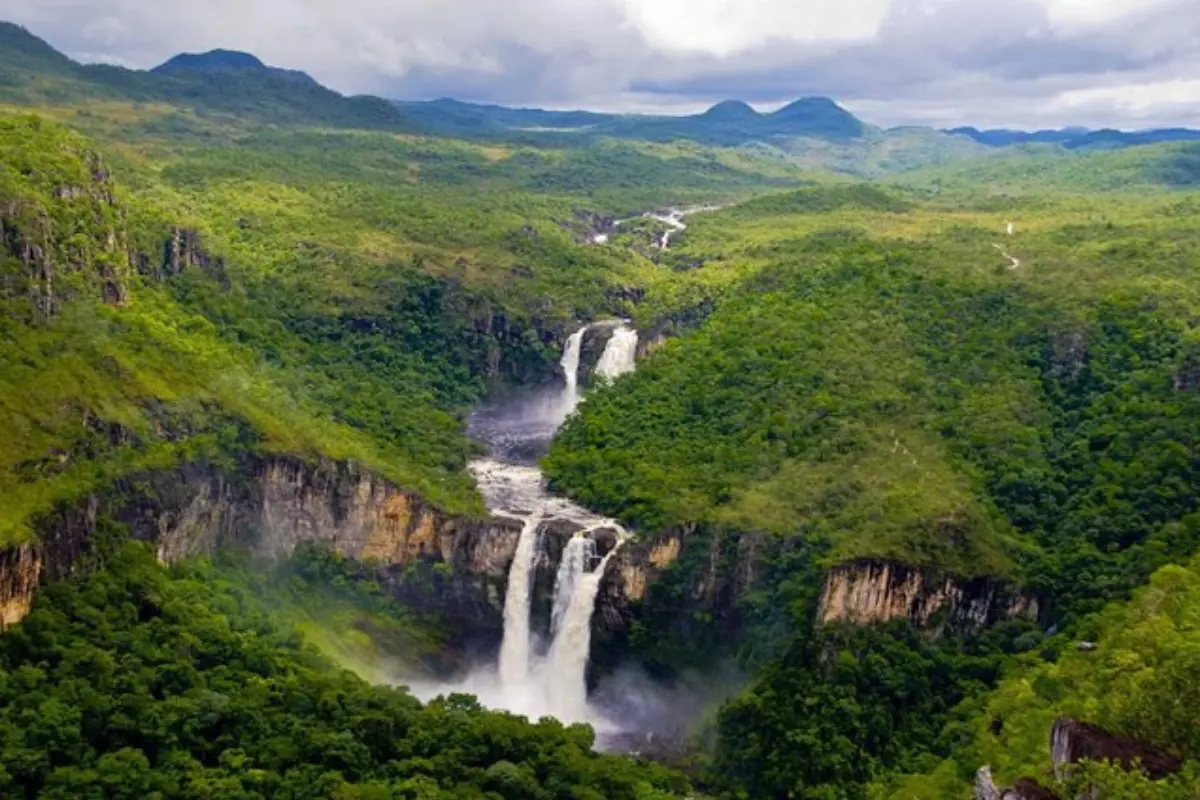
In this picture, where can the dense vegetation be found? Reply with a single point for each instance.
(856, 373)
(909, 398)
(138, 684)
(1141, 679)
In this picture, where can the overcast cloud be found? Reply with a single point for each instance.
(1024, 63)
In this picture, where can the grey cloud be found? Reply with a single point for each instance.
(945, 61)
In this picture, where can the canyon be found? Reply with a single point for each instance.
(529, 582)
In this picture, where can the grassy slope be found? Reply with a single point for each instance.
(917, 337)
(357, 271)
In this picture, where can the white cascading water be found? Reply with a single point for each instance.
(522, 682)
(567, 687)
(577, 557)
(514, 651)
(570, 366)
(620, 355)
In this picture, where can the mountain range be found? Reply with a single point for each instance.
(241, 84)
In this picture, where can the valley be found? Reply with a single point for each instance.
(363, 449)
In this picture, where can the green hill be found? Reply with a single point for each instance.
(218, 61)
(33, 73)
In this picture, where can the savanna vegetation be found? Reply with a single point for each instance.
(875, 379)
(985, 371)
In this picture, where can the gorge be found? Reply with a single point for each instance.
(542, 673)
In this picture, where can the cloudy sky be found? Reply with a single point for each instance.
(1025, 63)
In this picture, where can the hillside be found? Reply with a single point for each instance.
(882, 386)
(852, 486)
(33, 73)
(219, 61)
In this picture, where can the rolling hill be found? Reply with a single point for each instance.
(34, 73)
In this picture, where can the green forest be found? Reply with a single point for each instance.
(978, 370)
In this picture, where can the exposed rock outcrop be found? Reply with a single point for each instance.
(184, 250)
(1072, 741)
(1068, 354)
(64, 231)
(1023, 789)
(871, 591)
(19, 569)
(278, 505)
(634, 568)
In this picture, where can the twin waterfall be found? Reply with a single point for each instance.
(535, 677)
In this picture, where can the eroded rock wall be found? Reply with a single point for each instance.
(19, 570)
(871, 591)
(276, 506)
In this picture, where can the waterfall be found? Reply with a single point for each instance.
(522, 681)
(566, 685)
(514, 650)
(578, 555)
(570, 367)
(620, 355)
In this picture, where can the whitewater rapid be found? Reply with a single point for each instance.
(533, 678)
(671, 217)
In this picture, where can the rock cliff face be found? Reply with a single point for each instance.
(1072, 741)
(630, 574)
(19, 568)
(868, 591)
(278, 505)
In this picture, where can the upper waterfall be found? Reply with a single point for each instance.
(619, 355)
(570, 367)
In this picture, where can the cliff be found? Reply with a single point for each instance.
(1072, 742)
(870, 591)
(278, 505)
(19, 569)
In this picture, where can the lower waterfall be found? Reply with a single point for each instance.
(579, 554)
(524, 681)
(566, 685)
(514, 652)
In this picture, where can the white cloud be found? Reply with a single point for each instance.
(956, 61)
(725, 27)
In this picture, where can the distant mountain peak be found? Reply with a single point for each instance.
(211, 61)
(818, 115)
(810, 105)
(222, 61)
(731, 110)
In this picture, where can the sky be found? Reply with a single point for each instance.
(989, 63)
